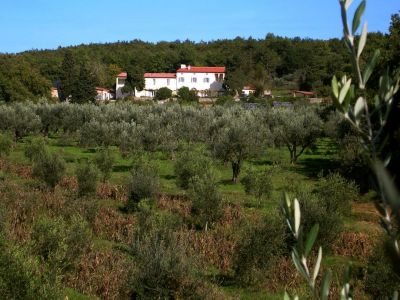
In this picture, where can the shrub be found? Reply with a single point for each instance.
(35, 149)
(191, 164)
(206, 200)
(59, 244)
(143, 183)
(87, 176)
(48, 239)
(163, 266)
(50, 168)
(258, 184)
(78, 239)
(258, 247)
(315, 211)
(221, 100)
(104, 160)
(383, 272)
(5, 144)
(21, 277)
(337, 193)
(186, 95)
(163, 93)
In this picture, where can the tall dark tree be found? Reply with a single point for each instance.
(85, 87)
(135, 81)
(393, 41)
(68, 76)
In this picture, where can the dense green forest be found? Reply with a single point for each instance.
(273, 62)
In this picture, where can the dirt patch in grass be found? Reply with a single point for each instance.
(365, 212)
(114, 226)
(358, 245)
(24, 172)
(179, 205)
(102, 273)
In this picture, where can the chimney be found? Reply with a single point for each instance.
(189, 67)
(183, 66)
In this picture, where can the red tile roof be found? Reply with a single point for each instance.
(159, 75)
(122, 75)
(249, 87)
(190, 69)
(304, 93)
(101, 89)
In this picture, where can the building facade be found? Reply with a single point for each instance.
(103, 94)
(207, 81)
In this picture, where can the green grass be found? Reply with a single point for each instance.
(285, 177)
(250, 294)
(74, 295)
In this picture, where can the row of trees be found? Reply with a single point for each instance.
(233, 134)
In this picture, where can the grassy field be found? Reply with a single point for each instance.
(310, 164)
(286, 177)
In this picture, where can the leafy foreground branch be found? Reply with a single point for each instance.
(302, 251)
(361, 117)
(371, 124)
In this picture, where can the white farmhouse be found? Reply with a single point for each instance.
(155, 81)
(103, 94)
(120, 83)
(207, 81)
(248, 89)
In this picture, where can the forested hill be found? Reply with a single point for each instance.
(273, 62)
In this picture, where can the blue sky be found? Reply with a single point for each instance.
(47, 24)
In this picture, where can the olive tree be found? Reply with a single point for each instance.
(296, 128)
(189, 165)
(240, 139)
(143, 183)
(206, 200)
(20, 118)
(87, 176)
(258, 183)
(50, 168)
(104, 160)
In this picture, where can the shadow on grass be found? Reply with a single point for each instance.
(311, 167)
(89, 150)
(168, 177)
(227, 182)
(262, 162)
(122, 168)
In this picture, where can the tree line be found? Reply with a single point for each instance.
(279, 62)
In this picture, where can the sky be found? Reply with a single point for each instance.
(48, 24)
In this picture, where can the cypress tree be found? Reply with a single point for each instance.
(68, 76)
(85, 87)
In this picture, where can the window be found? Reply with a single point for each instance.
(154, 82)
(206, 80)
(168, 81)
(194, 79)
(121, 81)
(181, 79)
